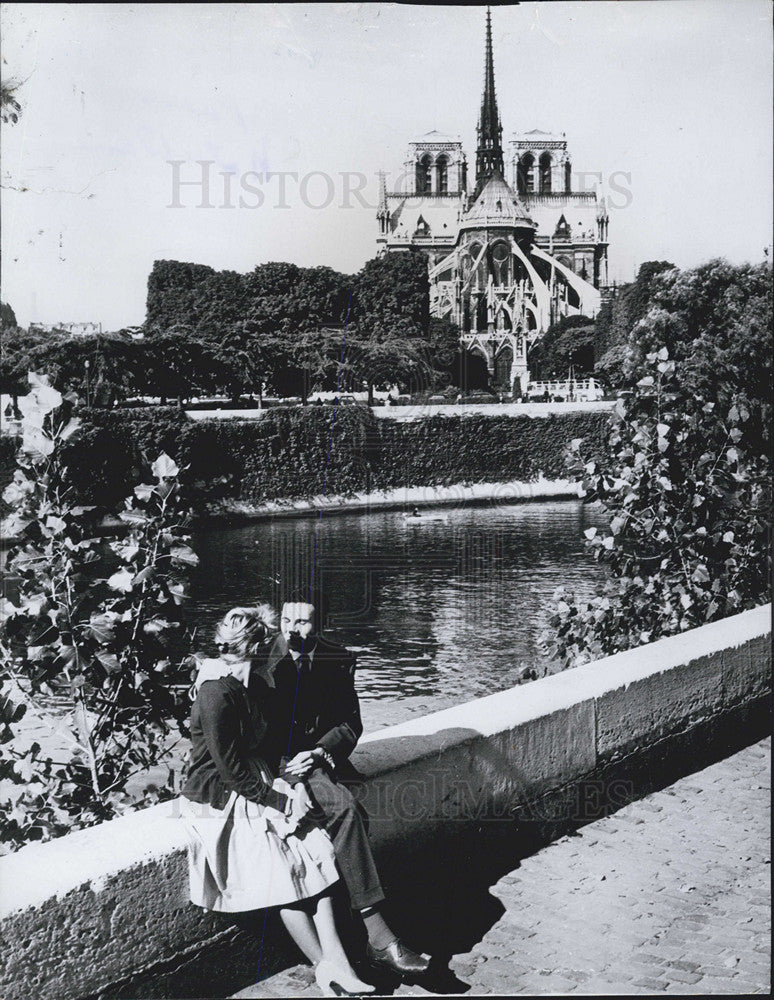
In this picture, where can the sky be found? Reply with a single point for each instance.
(670, 101)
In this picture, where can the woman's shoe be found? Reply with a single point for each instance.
(337, 982)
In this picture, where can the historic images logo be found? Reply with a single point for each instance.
(199, 184)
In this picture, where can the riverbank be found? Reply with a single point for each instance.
(421, 411)
(423, 497)
(104, 912)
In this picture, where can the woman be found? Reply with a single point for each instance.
(252, 843)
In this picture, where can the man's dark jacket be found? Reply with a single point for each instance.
(307, 709)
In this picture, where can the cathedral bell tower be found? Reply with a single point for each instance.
(489, 154)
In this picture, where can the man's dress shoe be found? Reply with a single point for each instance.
(398, 959)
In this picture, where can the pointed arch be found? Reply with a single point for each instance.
(442, 174)
(545, 172)
(423, 174)
(525, 182)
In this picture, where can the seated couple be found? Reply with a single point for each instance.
(269, 818)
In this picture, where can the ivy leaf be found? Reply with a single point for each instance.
(184, 555)
(36, 442)
(103, 627)
(177, 590)
(164, 467)
(122, 580)
(109, 661)
(70, 428)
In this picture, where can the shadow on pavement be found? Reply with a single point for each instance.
(439, 894)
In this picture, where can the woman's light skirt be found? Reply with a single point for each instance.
(241, 858)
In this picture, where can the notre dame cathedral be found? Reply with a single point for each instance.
(509, 253)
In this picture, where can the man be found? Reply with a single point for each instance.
(314, 723)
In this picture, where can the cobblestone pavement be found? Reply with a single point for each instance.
(671, 894)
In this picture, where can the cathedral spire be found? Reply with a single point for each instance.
(489, 155)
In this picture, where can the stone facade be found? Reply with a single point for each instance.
(506, 260)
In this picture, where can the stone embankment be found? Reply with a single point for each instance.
(104, 911)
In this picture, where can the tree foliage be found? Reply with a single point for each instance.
(567, 343)
(617, 317)
(392, 297)
(685, 477)
(10, 108)
(7, 317)
(95, 623)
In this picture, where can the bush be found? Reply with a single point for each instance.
(301, 452)
(95, 623)
(107, 458)
(686, 476)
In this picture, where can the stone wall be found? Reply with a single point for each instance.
(87, 914)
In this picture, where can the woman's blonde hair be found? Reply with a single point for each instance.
(242, 631)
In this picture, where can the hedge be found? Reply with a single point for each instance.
(290, 452)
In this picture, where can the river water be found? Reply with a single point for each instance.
(447, 607)
(440, 609)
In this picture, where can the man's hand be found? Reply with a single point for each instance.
(302, 764)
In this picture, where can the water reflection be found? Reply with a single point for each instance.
(432, 607)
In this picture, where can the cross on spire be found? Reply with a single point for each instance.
(489, 155)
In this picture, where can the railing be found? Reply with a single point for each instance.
(581, 390)
(557, 195)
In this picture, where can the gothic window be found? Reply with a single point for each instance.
(422, 227)
(423, 175)
(524, 179)
(442, 175)
(562, 231)
(545, 173)
(567, 177)
(500, 259)
(566, 262)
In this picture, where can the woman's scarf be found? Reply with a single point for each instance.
(215, 669)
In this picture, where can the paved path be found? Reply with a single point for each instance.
(669, 895)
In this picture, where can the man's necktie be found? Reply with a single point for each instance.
(304, 666)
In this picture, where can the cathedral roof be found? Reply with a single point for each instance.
(497, 205)
(440, 214)
(434, 136)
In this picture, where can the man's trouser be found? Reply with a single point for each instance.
(345, 822)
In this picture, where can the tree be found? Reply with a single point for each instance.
(174, 364)
(100, 368)
(568, 343)
(392, 297)
(613, 367)
(381, 363)
(617, 318)
(7, 317)
(10, 109)
(686, 479)
(444, 346)
(96, 625)
(17, 348)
